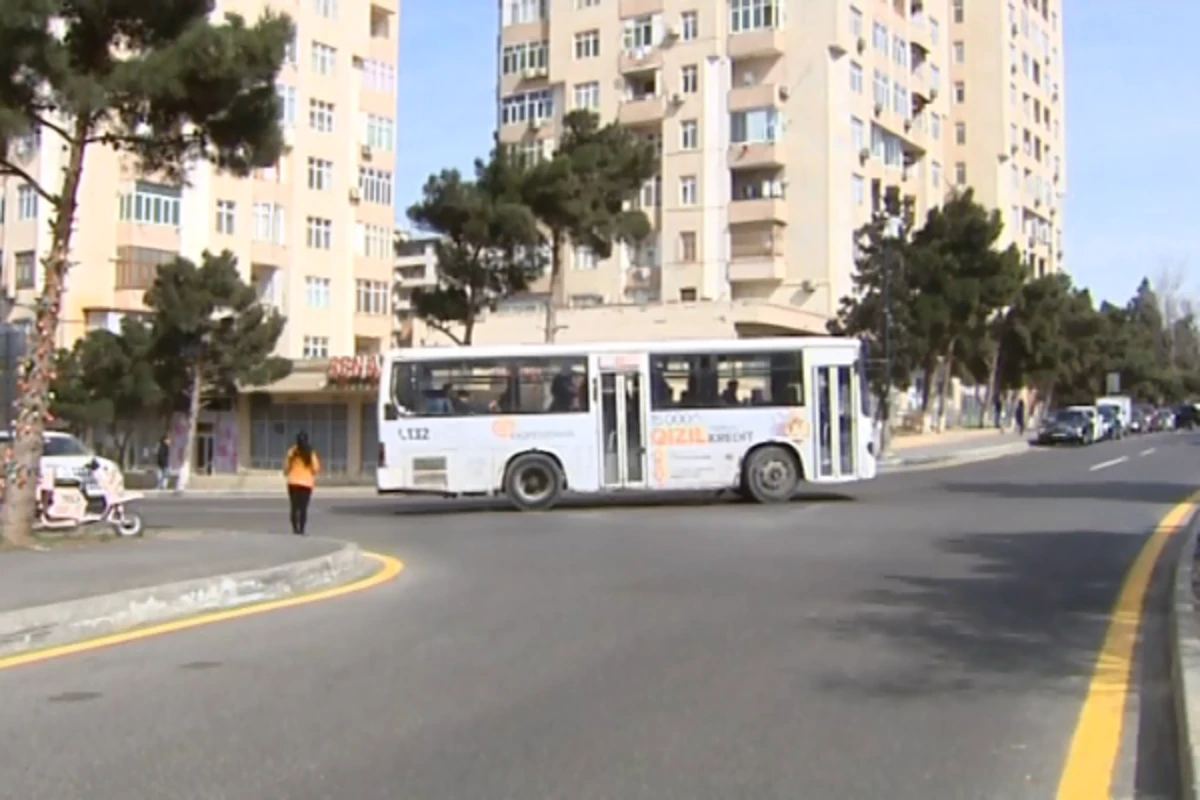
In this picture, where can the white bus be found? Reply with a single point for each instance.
(759, 416)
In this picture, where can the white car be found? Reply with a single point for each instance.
(66, 455)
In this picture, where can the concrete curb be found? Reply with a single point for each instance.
(258, 494)
(959, 457)
(1185, 664)
(70, 621)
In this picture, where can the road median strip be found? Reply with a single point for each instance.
(27, 632)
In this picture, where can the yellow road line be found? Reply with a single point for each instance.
(1096, 743)
(389, 568)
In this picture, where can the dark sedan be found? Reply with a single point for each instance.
(1065, 427)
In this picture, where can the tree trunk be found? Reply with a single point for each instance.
(33, 404)
(468, 329)
(993, 385)
(944, 386)
(556, 279)
(189, 439)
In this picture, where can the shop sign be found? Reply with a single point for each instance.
(355, 369)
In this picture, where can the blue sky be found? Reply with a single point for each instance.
(1132, 120)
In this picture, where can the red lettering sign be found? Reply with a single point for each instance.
(350, 369)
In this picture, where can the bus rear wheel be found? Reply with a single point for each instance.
(772, 475)
(534, 482)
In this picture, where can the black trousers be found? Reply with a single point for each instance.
(298, 497)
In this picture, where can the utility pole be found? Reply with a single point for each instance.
(890, 262)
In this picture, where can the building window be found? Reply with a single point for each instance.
(27, 202)
(374, 241)
(527, 107)
(935, 126)
(584, 258)
(935, 174)
(960, 174)
(320, 116)
(960, 52)
(26, 269)
(881, 89)
(379, 76)
(687, 190)
(687, 295)
(751, 15)
(960, 133)
(226, 216)
(324, 58)
(375, 185)
(960, 92)
(137, 266)
(689, 79)
(269, 223)
(758, 125)
(858, 189)
(900, 52)
(959, 13)
(639, 33)
(152, 204)
(856, 78)
(687, 247)
(858, 135)
(316, 292)
(935, 31)
(587, 95)
(371, 297)
(689, 134)
(380, 133)
(326, 8)
(517, 12)
(287, 105)
(319, 233)
(690, 24)
(587, 44)
(320, 174)
(651, 193)
(316, 347)
(879, 38)
(856, 23)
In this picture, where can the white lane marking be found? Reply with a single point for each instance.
(1107, 464)
(1146, 452)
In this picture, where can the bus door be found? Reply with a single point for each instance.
(835, 402)
(620, 391)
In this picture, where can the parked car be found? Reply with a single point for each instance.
(1067, 426)
(1111, 425)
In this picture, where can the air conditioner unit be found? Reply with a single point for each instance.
(355, 195)
(1013, 69)
(676, 99)
(1015, 29)
(878, 109)
(1014, 149)
(367, 152)
(908, 123)
(864, 154)
(862, 44)
(785, 92)
(671, 34)
(933, 93)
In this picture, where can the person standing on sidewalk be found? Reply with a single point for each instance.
(300, 467)
(163, 461)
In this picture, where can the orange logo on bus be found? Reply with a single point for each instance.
(679, 435)
(504, 427)
(796, 427)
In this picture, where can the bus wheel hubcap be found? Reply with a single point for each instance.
(534, 482)
(774, 474)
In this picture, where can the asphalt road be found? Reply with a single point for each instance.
(927, 635)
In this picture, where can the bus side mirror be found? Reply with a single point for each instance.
(391, 413)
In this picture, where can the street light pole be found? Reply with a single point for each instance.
(893, 233)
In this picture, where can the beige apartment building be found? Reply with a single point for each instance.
(779, 135)
(313, 234)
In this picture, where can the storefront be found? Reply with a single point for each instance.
(333, 401)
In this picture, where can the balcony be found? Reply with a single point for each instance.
(759, 95)
(759, 269)
(520, 32)
(760, 42)
(752, 155)
(642, 59)
(756, 252)
(642, 110)
(639, 8)
(771, 210)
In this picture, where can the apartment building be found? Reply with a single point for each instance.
(1009, 140)
(313, 234)
(779, 135)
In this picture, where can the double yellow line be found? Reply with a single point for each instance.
(389, 568)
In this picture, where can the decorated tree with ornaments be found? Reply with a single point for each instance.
(163, 84)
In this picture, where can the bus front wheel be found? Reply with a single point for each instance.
(772, 474)
(534, 482)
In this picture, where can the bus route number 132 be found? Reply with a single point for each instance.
(413, 434)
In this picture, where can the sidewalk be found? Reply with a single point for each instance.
(954, 445)
(64, 595)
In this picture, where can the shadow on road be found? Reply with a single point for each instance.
(1121, 491)
(421, 506)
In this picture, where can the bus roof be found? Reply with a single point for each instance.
(667, 346)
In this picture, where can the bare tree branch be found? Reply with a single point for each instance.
(9, 168)
(443, 329)
(44, 121)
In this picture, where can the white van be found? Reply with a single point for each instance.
(67, 455)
